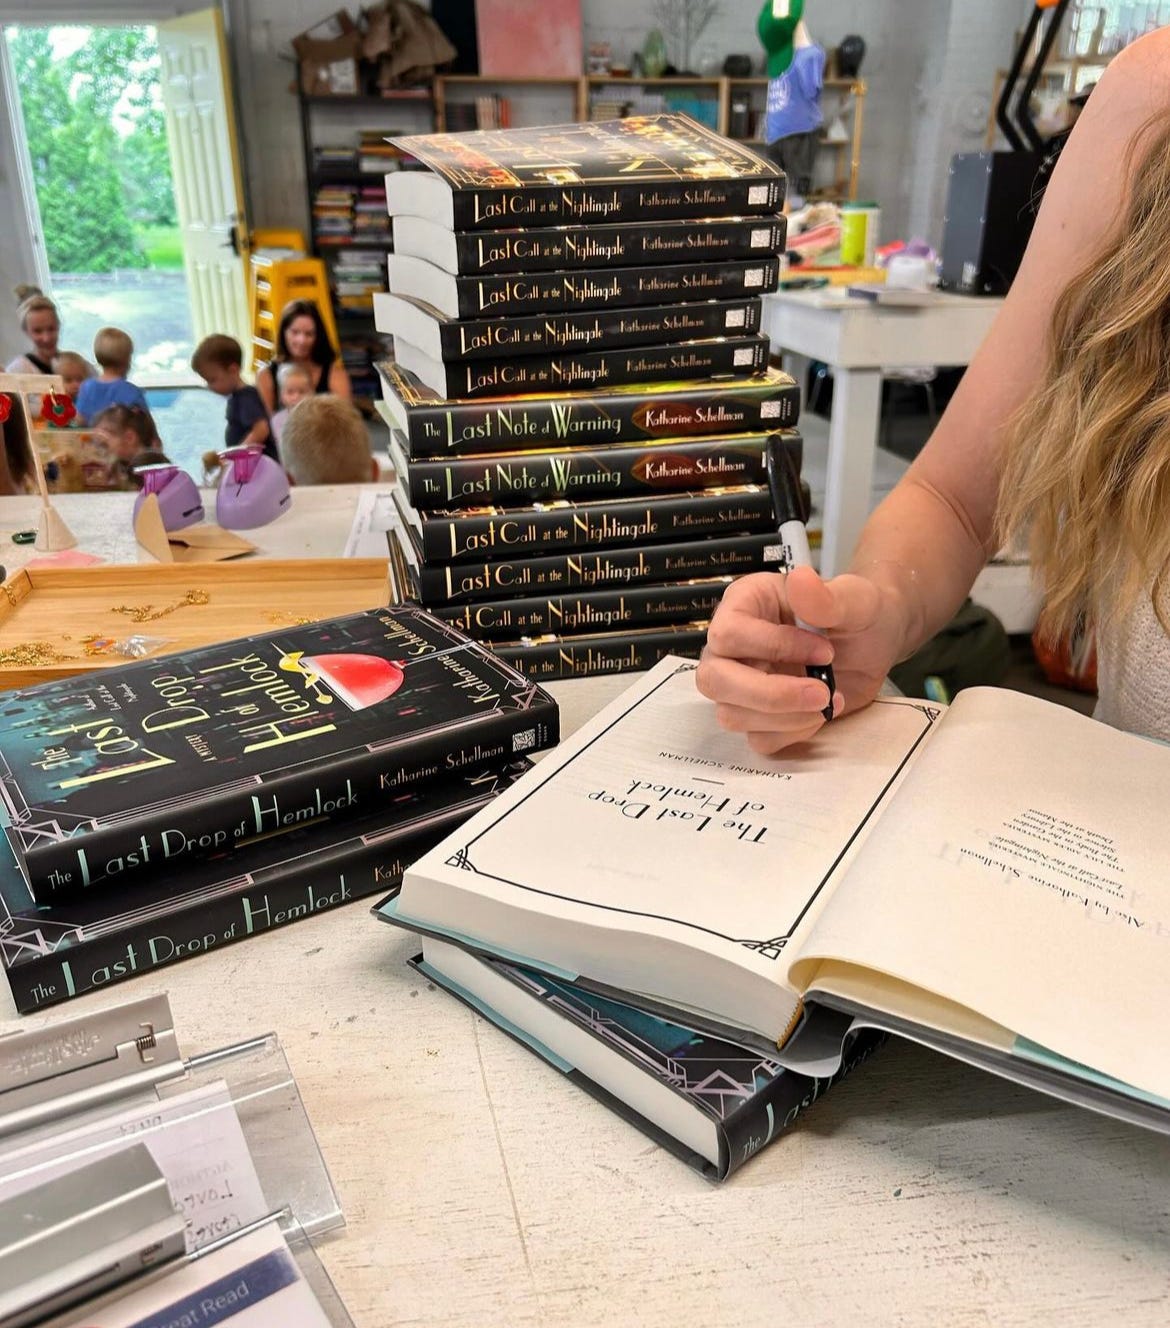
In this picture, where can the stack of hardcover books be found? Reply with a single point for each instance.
(173, 806)
(580, 399)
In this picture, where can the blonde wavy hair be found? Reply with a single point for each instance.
(1087, 456)
(32, 300)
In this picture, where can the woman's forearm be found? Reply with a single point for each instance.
(922, 556)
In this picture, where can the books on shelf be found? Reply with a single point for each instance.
(641, 168)
(712, 358)
(622, 244)
(711, 1103)
(108, 777)
(964, 877)
(281, 875)
(449, 339)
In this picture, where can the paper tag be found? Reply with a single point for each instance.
(66, 558)
(253, 1282)
(196, 1140)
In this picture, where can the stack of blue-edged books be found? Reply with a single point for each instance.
(711, 937)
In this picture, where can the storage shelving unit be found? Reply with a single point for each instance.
(338, 121)
(548, 100)
(584, 97)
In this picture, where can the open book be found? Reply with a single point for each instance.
(987, 879)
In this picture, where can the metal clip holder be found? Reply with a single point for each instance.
(87, 1061)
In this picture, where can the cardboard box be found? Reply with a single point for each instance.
(327, 56)
(337, 25)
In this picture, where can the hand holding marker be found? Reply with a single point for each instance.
(793, 551)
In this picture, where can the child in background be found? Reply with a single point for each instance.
(113, 350)
(218, 360)
(73, 370)
(325, 441)
(295, 383)
(126, 432)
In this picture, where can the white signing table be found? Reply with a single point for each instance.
(856, 339)
(480, 1189)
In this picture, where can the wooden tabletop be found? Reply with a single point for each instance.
(482, 1189)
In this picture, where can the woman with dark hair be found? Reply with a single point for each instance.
(301, 339)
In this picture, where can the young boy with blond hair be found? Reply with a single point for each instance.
(294, 383)
(113, 350)
(325, 441)
(73, 370)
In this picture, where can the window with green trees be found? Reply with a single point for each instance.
(97, 142)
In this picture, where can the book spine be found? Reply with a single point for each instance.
(622, 245)
(589, 610)
(210, 924)
(601, 329)
(614, 287)
(580, 204)
(763, 1116)
(600, 524)
(607, 368)
(75, 867)
(441, 584)
(586, 657)
(469, 428)
(513, 477)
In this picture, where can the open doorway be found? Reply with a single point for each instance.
(95, 129)
(132, 195)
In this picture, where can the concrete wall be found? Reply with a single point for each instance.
(929, 67)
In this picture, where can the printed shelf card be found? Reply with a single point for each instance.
(252, 1282)
(196, 1140)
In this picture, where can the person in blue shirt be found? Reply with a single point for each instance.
(218, 360)
(113, 350)
(796, 74)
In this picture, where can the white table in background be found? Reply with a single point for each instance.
(856, 338)
(317, 526)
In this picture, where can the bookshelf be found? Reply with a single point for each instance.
(712, 101)
(515, 101)
(346, 160)
(842, 99)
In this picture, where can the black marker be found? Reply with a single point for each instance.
(787, 506)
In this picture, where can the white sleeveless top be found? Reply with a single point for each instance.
(1133, 673)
